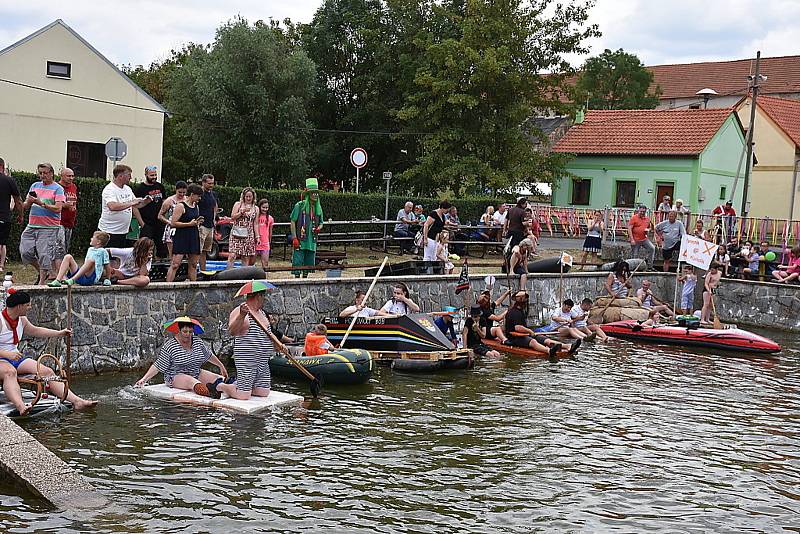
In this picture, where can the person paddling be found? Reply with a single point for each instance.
(14, 324)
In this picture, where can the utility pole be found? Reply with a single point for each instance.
(749, 161)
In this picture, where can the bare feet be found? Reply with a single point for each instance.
(25, 410)
(84, 405)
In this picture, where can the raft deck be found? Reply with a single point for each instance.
(251, 406)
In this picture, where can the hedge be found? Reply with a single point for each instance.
(336, 206)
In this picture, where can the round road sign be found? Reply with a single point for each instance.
(358, 157)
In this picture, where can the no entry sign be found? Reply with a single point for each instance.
(358, 157)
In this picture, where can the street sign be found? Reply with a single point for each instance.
(387, 175)
(116, 149)
(358, 157)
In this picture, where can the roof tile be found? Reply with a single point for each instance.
(785, 113)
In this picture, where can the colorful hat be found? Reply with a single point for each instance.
(450, 310)
(174, 325)
(254, 286)
(312, 184)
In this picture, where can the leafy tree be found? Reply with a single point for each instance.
(479, 78)
(243, 103)
(616, 80)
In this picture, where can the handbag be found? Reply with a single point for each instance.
(418, 239)
(240, 232)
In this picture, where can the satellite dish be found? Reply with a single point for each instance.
(706, 92)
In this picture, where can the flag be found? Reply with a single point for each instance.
(463, 279)
(697, 252)
(566, 259)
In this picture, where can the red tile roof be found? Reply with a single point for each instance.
(785, 113)
(727, 77)
(644, 132)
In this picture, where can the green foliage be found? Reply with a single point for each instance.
(478, 80)
(616, 80)
(243, 104)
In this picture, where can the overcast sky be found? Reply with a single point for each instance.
(139, 32)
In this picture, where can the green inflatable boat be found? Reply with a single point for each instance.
(342, 366)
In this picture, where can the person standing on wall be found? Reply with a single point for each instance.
(306, 223)
(40, 244)
(70, 211)
(153, 227)
(638, 230)
(8, 192)
(118, 202)
(208, 210)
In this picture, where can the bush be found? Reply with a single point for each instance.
(336, 206)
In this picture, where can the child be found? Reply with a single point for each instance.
(723, 259)
(689, 280)
(264, 229)
(316, 341)
(580, 316)
(443, 251)
(561, 322)
(752, 257)
(95, 267)
(791, 271)
(711, 283)
(445, 324)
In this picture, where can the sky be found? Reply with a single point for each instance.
(138, 32)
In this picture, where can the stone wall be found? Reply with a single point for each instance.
(120, 327)
(761, 304)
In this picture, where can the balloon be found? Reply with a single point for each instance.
(770, 256)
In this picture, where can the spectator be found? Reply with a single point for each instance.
(791, 271)
(725, 217)
(514, 227)
(405, 218)
(593, 244)
(165, 214)
(8, 192)
(95, 268)
(665, 206)
(669, 234)
(518, 261)
(752, 258)
(186, 220)
(487, 233)
(132, 264)
(769, 266)
(70, 210)
(244, 233)
(683, 211)
(452, 222)
(265, 224)
(135, 228)
(153, 227)
(722, 259)
(118, 202)
(699, 231)
(418, 214)
(40, 244)
(430, 230)
(638, 230)
(499, 219)
(737, 261)
(208, 209)
(532, 229)
(443, 251)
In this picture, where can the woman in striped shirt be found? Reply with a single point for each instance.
(180, 360)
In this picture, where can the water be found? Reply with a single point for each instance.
(624, 438)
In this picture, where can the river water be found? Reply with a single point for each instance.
(624, 438)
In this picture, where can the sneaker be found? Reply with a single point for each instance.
(69, 282)
(106, 282)
(575, 346)
(212, 389)
(54, 283)
(553, 353)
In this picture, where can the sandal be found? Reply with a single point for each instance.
(202, 390)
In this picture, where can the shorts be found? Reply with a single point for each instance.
(41, 245)
(5, 231)
(525, 341)
(206, 239)
(118, 240)
(667, 253)
(519, 269)
(15, 363)
(85, 279)
(481, 349)
(263, 250)
(253, 374)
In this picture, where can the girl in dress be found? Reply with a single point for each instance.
(244, 237)
(594, 236)
(443, 251)
(186, 220)
(265, 223)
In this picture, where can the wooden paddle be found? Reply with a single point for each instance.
(69, 337)
(717, 322)
(366, 296)
(315, 384)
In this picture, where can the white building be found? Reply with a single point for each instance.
(61, 100)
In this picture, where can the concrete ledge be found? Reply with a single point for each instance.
(30, 464)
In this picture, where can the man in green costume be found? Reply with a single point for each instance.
(306, 223)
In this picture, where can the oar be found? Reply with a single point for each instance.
(69, 337)
(717, 322)
(315, 385)
(366, 296)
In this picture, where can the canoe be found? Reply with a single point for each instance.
(547, 265)
(523, 352)
(731, 339)
(342, 366)
(390, 333)
(47, 405)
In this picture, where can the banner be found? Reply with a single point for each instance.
(463, 279)
(697, 252)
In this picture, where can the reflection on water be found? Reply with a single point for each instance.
(625, 437)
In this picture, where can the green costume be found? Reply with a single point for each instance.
(307, 220)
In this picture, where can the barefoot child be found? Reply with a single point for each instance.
(689, 280)
(711, 284)
(443, 251)
(94, 269)
(317, 342)
(264, 229)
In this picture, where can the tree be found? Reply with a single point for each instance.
(243, 103)
(616, 80)
(478, 80)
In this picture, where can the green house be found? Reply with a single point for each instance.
(629, 157)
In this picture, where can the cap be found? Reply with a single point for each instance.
(729, 202)
(678, 201)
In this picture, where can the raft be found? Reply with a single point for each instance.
(342, 366)
(526, 353)
(731, 339)
(621, 309)
(251, 406)
(46, 405)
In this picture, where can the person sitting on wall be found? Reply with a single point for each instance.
(95, 268)
(316, 343)
(14, 324)
(133, 264)
(181, 357)
(518, 261)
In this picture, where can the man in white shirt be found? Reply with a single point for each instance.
(499, 219)
(118, 202)
(405, 217)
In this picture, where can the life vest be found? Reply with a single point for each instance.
(313, 344)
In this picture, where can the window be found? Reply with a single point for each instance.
(626, 194)
(581, 188)
(722, 192)
(59, 70)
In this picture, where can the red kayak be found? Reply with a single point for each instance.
(733, 339)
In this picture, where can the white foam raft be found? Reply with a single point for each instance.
(254, 405)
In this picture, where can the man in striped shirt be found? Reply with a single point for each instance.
(42, 242)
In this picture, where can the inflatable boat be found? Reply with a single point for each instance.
(342, 366)
(731, 339)
(526, 352)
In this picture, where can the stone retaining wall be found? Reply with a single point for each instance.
(119, 327)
